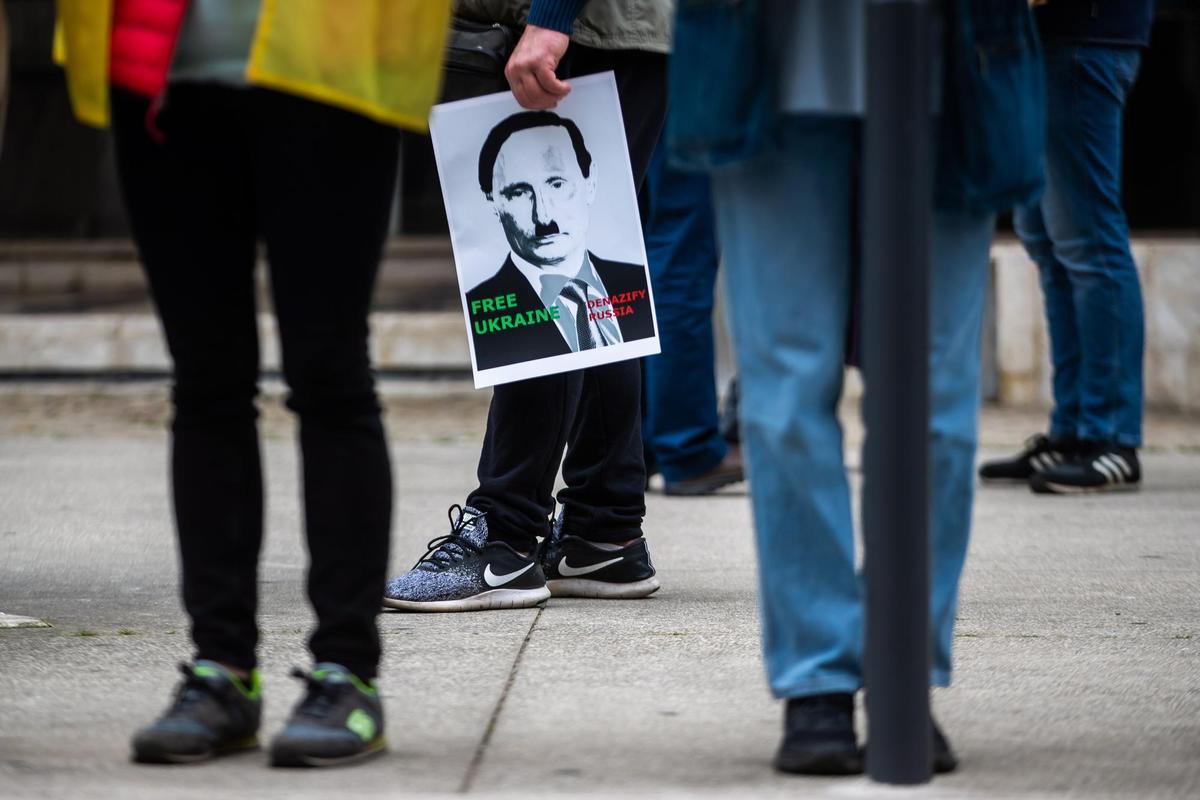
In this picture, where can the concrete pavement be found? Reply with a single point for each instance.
(1078, 647)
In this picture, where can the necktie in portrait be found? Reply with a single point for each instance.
(587, 334)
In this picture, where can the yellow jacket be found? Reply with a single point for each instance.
(380, 58)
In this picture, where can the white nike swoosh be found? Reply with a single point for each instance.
(568, 571)
(494, 580)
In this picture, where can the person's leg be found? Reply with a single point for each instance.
(1061, 322)
(682, 425)
(604, 499)
(325, 179)
(958, 283)
(190, 203)
(527, 428)
(604, 468)
(1086, 88)
(785, 226)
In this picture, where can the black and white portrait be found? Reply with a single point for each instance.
(546, 233)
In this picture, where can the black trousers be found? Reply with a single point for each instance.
(595, 413)
(315, 184)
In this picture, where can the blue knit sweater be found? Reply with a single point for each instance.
(556, 15)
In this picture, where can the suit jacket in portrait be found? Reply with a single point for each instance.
(544, 339)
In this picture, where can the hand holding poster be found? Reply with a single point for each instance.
(546, 234)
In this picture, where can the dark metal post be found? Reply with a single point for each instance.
(897, 216)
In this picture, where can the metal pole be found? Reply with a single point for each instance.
(897, 217)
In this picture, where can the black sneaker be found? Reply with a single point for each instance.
(819, 738)
(1100, 467)
(463, 571)
(1040, 454)
(214, 713)
(339, 721)
(575, 567)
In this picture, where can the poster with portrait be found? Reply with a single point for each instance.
(546, 234)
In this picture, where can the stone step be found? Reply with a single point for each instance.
(131, 343)
(417, 273)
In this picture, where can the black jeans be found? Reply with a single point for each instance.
(594, 413)
(315, 183)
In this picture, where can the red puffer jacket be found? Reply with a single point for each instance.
(144, 34)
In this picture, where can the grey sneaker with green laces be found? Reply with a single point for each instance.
(339, 720)
(214, 713)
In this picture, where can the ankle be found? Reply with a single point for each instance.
(611, 546)
(240, 673)
(840, 699)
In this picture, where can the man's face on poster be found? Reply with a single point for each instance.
(541, 196)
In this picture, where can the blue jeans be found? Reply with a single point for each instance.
(681, 427)
(1079, 239)
(786, 222)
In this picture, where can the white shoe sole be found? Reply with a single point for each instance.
(1062, 488)
(484, 601)
(602, 590)
(1005, 481)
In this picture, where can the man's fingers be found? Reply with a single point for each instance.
(529, 92)
(550, 83)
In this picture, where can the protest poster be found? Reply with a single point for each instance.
(546, 233)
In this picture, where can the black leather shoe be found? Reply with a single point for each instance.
(729, 471)
(819, 738)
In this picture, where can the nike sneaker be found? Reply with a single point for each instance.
(463, 571)
(1099, 467)
(214, 713)
(1039, 454)
(576, 567)
(338, 721)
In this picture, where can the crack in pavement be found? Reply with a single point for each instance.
(481, 749)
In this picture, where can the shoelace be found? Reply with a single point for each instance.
(193, 690)
(321, 696)
(446, 551)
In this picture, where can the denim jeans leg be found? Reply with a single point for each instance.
(1086, 90)
(785, 225)
(958, 282)
(1059, 297)
(681, 424)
